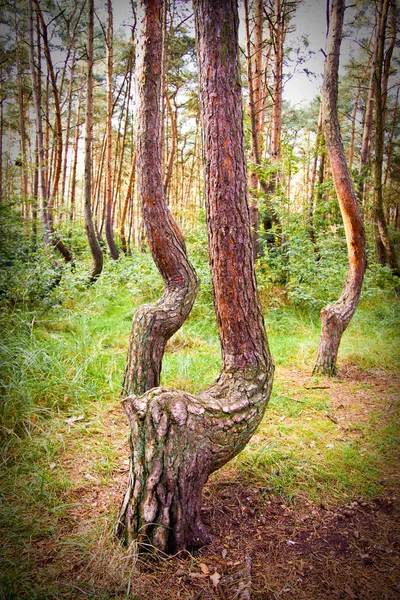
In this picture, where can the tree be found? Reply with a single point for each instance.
(178, 439)
(385, 246)
(109, 191)
(90, 230)
(47, 195)
(335, 317)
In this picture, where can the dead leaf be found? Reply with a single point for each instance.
(215, 578)
(72, 420)
(204, 568)
(52, 465)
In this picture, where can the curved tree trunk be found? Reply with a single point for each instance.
(178, 439)
(335, 317)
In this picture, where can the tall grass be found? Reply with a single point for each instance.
(63, 356)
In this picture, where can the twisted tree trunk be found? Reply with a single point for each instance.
(178, 439)
(335, 317)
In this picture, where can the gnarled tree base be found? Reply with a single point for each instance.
(177, 441)
(332, 328)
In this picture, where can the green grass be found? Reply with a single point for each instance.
(68, 361)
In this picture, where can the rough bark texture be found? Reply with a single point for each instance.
(178, 439)
(335, 317)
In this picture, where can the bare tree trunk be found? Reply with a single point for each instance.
(354, 117)
(174, 143)
(1, 148)
(254, 120)
(52, 191)
(90, 230)
(311, 201)
(128, 199)
(178, 439)
(368, 122)
(109, 192)
(39, 127)
(22, 116)
(76, 145)
(278, 36)
(68, 128)
(335, 317)
(382, 235)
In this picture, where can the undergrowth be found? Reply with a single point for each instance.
(63, 351)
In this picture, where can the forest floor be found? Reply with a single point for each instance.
(267, 544)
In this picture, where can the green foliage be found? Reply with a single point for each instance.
(27, 277)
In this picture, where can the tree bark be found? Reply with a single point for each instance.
(128, 199)
(254, 105)
(311, 199)
(49, 194)
(90, 230)
(109, 192)
(385, 247)
(178, 439)
(335, 317)
(76, 145)
(368, 122)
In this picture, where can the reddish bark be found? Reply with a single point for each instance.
(177, 439)
(335, 317)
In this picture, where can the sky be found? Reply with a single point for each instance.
(310, 20)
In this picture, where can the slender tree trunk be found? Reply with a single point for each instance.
(178, 439)
(39, 126)
(387, 58)
(368, 122)
(311, 201)
(22, 116)
(278, 84)
(52, 183)
(109, 192)
(335, 317)
(128, 199)
(389, 154)
(382, 235)
(119, 170)
(76, 147)
(68, 127)
(254, 105)
(1, 148)
(174, 143)
(90, 230)
(354, 117)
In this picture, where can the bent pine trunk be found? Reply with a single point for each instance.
(335, 317)
(178, 439)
